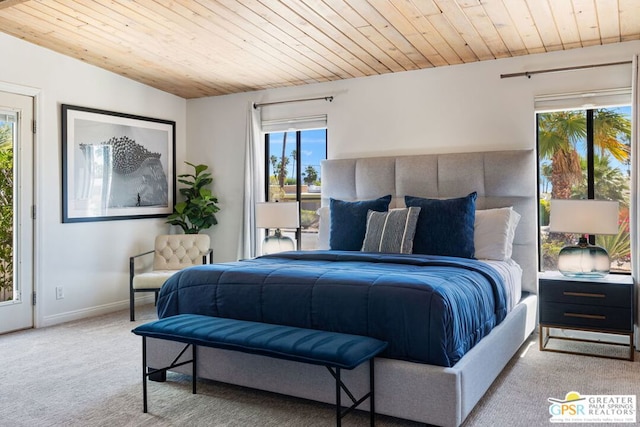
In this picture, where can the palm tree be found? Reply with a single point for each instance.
(284, 160)
(559, 134)
(294, 156)
(610, 182)
(609, 127)
(310, 175)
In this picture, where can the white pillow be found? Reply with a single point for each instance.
(324, 228)
(494, 230)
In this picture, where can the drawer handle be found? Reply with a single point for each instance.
(583, 294)
(586, 316)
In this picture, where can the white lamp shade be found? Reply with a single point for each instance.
(277, 215)
(584, 216)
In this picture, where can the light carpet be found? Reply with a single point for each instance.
(87, 373)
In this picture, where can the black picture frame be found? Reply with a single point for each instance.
(116, 166)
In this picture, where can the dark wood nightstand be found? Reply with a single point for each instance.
(592, 305)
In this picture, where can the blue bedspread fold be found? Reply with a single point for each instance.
(430, 309)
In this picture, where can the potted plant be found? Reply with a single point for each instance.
(197, 211)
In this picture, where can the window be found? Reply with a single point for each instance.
(585, 154)
(293, 174)
(8, 133)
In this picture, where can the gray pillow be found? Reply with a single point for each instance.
(392, 231)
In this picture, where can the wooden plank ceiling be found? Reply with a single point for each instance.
(196, 48)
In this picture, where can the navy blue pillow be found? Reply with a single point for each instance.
(445, 227)
(349, 221)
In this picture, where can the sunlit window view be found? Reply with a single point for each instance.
(7, 127)
(294, 174)
(585, 154)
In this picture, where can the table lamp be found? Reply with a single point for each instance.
(584, 217)
(277, 215)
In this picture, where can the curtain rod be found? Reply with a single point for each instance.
(326, 98)
(528, 74)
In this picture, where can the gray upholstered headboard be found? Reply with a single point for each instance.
(501, 178)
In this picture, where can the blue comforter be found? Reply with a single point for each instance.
(429, 309)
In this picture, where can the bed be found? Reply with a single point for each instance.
(437, 383)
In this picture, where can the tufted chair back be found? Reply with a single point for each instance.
(178, 251)
(171, 254)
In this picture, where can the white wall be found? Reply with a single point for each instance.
(90, 260)
(450, 109)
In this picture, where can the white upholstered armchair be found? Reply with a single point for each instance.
(171, 253)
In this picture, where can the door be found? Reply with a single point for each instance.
(16, 201)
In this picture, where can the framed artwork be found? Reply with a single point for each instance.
(116, 166)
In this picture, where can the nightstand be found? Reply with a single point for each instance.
(586, 304)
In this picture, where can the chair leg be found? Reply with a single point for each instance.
(132, 305)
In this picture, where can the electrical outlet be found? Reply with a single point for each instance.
(59, 292)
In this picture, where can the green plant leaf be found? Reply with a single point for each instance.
(197, 211)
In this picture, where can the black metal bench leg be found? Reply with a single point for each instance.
(195, 364)
(372, 405)
(335, 372)
(151, 372)
(144, 374)
(338, 404)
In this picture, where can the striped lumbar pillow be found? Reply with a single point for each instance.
(392, 231)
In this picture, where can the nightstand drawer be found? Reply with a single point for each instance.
(605, 294)
(586, 316)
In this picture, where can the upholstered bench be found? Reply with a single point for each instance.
(334, 350)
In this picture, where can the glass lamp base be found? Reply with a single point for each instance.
(275, 244)
(584, 261)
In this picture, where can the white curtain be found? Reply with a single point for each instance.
(635, 182)
(253, 184)
(254, 171)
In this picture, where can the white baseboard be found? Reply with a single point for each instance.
(69, 316)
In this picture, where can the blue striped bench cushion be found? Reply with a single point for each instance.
(312, 346)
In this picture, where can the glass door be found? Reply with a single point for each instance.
(16, 201)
